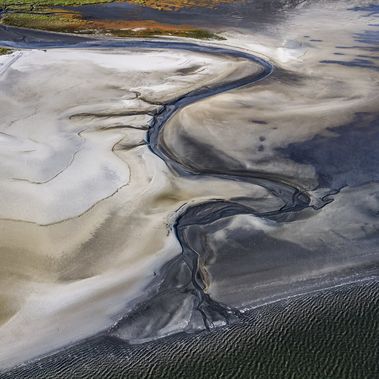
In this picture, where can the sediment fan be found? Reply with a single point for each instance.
(224, 204)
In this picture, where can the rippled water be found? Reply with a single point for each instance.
(329, 334)
(272, 198)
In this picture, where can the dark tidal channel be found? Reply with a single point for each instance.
(314, 334)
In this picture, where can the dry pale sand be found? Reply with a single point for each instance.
(84, 204)
(86, 207)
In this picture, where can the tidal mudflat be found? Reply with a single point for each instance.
(168, 199)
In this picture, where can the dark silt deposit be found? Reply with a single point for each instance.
(279, 279)
(357, 143)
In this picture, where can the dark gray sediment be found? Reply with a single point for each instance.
(280, 339)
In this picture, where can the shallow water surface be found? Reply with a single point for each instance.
(221, 199)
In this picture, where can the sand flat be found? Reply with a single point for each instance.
(84, 203)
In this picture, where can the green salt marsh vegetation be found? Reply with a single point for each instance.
(4, 51)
